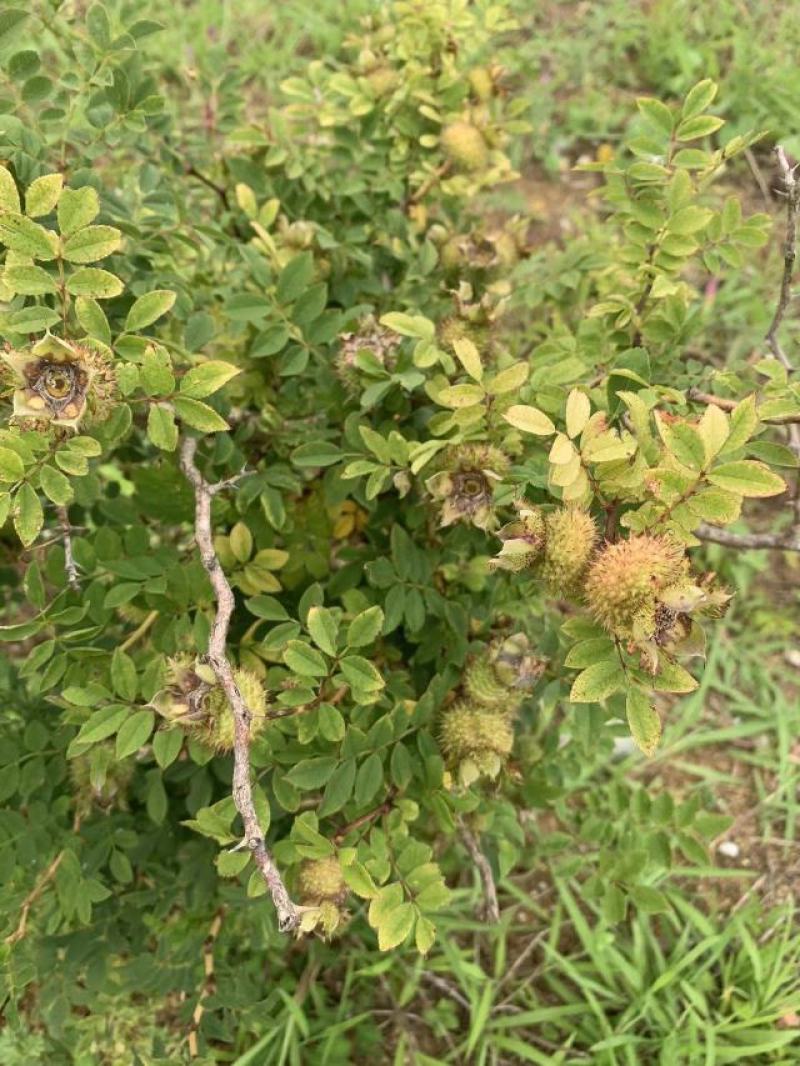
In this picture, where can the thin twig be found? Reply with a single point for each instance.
(445, 986)
(491, 907)
(70, 566)
(789, 255)
(757, 173)
(37, 890)
(208, 982)
(204, 492)
(139, 632)
(365, 819)
(727, 404)
(789, 541)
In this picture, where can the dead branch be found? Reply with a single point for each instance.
(792, 189)
(207, 986)
(37, 890)
(789, 541)
(204, 492)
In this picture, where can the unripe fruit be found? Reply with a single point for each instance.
(465, 146)
(481, 83)
(484, 687)
(570, 536)
(217, 730)
(321, 879)
(627, 580)
(466, 730)
(197, 702)
(523, 540)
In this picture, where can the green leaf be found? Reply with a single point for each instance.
(672, 677)
(33, 319)
(55, 486)
(43, 194)
(614, 905)
(689, 220)
(369, 778)
(295, 277)
(91, 243)
(698, 98)
(425, 935)
(657, 114)
(509, 380)
(76, 209)
(199, 415)
(323, 627)
(597, 682)
(365, 627)
(649, 900)
(161, 428)
(102, 724)
(302, 659)
(747, 477)
(409, 325)
(134, 732)
(167, 744)
(529, 420)
(11, 466)
(701, 126)
(22, 235)
(395, 926)
(148, 308)
(123, 675)
(29, 280)
(312, 773)
(316, 453)
(93, 319)
(361, 673)
(339, 788)
(203, 380)
(94, 282)
(28, 515)
(643, 720)
(359, 880)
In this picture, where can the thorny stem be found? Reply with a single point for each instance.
(204, 492)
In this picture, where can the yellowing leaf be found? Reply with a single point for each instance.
(748, 477)
(529, 420)
(597, 682)
(578, 410)
(643, 720)
(469, 357)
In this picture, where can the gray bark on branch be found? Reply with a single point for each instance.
(204, 492)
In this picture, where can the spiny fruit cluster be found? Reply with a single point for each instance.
(639, 590)
(476, 732)
(322, 891)
(559, 544)
(194, 700)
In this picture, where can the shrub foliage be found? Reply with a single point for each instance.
(457, 525)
